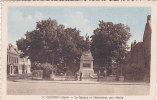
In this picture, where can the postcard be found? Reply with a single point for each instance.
(79, 50)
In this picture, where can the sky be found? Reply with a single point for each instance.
(86, 19)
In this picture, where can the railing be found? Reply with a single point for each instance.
(63, 78)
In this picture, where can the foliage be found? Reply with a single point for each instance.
(109, 43)
(52, 43)
(46, 67)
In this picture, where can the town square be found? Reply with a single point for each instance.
(79, 51)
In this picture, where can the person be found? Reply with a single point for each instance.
(98, 75)
(80, 76)
(105, 74)
(76, 76)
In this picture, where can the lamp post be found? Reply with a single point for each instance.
(121, 77)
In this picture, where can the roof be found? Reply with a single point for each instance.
(13, 49)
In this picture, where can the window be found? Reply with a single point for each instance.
(15, 59)
(7, 58)
(11, 59)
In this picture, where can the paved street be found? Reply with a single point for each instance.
(19, 88)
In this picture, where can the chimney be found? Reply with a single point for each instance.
(134, 42)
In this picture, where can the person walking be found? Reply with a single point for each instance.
(105, 74)
(80, 76)
(76, 76)
(98, 75)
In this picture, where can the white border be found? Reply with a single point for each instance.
(5, 5)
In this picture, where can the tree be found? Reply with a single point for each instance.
(38, 43)
(52, 43)
(109, 43)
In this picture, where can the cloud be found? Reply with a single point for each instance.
(15, 16)
(17, 19)
(38, 15)
(79, 21)
(35, 17)
(30, 17)
(19, 24)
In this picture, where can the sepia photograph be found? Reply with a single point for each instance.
(75, 50)
(84, 52)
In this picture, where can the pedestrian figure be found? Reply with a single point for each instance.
(105, 74)
(80, 76)
(98, 75)
(76, 76)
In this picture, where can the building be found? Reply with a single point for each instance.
(147, 46)
(16, 64)
(137, 64)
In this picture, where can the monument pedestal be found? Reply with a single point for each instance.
(87, 72)
(86, 64)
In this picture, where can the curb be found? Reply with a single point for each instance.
(82, 82)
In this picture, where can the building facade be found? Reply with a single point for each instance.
(137, 64)
(16, 64)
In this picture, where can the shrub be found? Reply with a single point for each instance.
(46, 67)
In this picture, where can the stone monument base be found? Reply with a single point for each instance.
(87, 72)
